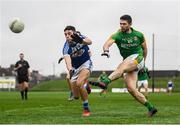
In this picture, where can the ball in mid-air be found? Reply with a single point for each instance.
(16, 25)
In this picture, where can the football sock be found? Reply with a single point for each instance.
(106, 80)
(94, 83)
(71, 94)
(26, 91)
(99, 84)
(85, 105)
(22, 94)
(148, 105)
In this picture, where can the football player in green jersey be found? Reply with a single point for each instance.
(143, 76)
(133, 49)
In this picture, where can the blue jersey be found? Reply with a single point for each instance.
(170, 84)
(79, 53)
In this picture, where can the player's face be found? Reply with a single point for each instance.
(125, 26)
(68, 34)
(21, 56)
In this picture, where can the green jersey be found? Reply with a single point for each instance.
(129, 43)
(143, 74)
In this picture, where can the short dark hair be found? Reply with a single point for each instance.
(21, 54)
(127, 18)
(70, 28)
(78, 32)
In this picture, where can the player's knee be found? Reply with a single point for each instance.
(79, 84)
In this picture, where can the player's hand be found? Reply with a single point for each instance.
(106, 53)
(71, 73)
(59, 61)
(19, 66)
(76, 38)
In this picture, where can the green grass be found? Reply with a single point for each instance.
(54, 85)
(53, 108)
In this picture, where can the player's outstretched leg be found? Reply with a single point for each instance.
(103, 83)
(99, 84)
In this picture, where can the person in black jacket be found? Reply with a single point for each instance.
(23, 74)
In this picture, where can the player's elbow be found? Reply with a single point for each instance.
(87, 41)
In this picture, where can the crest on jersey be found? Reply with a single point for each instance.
(135, 38)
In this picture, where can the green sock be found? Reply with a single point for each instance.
(148, 105)
(105, 79)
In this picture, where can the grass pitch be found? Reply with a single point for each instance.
(53, 108)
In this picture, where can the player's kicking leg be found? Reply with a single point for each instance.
(126, 65)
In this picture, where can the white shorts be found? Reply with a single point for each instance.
(142, 83)
(169, 88)
(139, 66)
(86, 65)
(133, 57)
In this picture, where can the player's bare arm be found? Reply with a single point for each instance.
(108, 43)
(144, 46)
(106, 46)
(68, 62)
(87, 41)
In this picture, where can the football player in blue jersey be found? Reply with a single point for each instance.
(87, 86)
(170, 86)
(78, 63)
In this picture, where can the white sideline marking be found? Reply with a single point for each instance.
(124, 90)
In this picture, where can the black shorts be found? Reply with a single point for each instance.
(22, 79)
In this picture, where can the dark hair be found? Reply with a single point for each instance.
(127, 18)
(78, 32)
(70, 28)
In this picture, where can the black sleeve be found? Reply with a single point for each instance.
(27, 65)
(16, 65)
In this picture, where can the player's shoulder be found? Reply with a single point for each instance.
(19, 62)
(138, 33)
(116, 34)
(25, 61)
(66, 45)
(65, 48)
